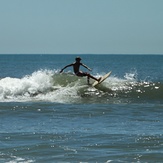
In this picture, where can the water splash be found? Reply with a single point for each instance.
(48, 85)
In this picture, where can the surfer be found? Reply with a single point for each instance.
(76, 66)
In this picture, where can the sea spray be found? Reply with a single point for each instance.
(50, 85)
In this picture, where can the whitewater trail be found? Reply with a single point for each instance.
(48, 85)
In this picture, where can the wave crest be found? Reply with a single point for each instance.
(48, 85)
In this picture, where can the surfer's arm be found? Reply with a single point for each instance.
(86, 67)
(66, 67)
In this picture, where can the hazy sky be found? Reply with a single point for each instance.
(81, 26)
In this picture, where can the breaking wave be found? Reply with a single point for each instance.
(48, 85)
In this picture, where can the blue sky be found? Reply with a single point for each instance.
(81, 27)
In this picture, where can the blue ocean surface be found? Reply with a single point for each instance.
(47, 116)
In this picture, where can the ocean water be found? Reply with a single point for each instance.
(50, 117)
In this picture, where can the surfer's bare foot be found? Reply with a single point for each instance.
(99, 79)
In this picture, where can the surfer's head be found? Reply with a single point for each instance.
(78, 59)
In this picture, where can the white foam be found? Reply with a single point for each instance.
(15, 88)
(48, 85)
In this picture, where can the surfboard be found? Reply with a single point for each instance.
(102, 79)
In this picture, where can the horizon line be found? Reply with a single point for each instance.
(81, 54)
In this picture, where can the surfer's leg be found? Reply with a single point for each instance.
(94, 77)
(88, 80)
(88, 76)
(99, 79)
